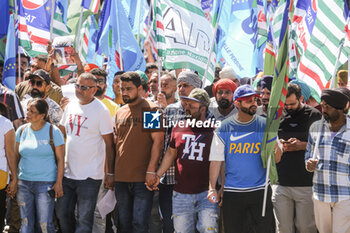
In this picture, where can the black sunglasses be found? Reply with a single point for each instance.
(38, 83)
(82, 87)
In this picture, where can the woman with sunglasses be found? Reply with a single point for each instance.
(39, 175)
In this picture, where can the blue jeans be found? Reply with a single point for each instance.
(35, 204)
(191, 211)
(134, 203)
(165, 206)
(80, 193)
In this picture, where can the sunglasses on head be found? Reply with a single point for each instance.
(38, 83)
(82, 87)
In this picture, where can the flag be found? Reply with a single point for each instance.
(158, 27)
(238, 44)
(276, 23)
(262, 23)
(136, 18)
(63, 8)
(73, 15)
(277, 98)
(188, 37)
(34, 20)
(4, 19)
(9, 72)
(92, 5)
(59, 26)
(317, 63)
(66, 69)
(87, 31)
(119, 45)
(270, 56)
(106, 10)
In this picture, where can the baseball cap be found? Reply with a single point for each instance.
(198, 95)
(244, 91)
(42, 74)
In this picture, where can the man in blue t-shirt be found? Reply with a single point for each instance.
(238, 143)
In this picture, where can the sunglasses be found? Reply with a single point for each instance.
(38, 83)
(82, 87)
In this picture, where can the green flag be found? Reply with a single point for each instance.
(277, 99)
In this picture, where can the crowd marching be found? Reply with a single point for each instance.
(180, 147)
(200, 165)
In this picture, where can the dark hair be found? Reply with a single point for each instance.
(88, 76)
(4, 110)
(23, 55)
(294, 89)
(99, 72)
(150, 66)
(131, 76)
(144, 85)
(217, 71)
(42, 107)
(42, 57)
(118, 73)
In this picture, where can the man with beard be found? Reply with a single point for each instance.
(330, 164)
(137, 155)
(292, 196)
(101, 76)
(40, 86)
(238, 143)
(189, 148)
(266, 84)
(186, 82)
(167, 91)
(222, 105)
(23, 88)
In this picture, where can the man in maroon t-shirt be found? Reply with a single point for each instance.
(190, 147)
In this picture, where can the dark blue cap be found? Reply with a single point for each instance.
(244, 91)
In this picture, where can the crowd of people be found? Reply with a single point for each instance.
(197, 169)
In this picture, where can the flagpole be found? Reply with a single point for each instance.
(138, 24)
(338, 57)
(212, 43)
(118, 45)
(79, 28)
(209, 58)
(52, 15)
(18, 49)
(149, 18)
(266, 185)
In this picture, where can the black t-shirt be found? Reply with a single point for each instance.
(291, 168)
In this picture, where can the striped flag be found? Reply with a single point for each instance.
(277, 23)
(270, 56)
(158, 27)
(34, 32)
(317, 62)
(85, 37)
(92, 5)
(67, 69)
(188, 36)
(277, 98)
(262, 23)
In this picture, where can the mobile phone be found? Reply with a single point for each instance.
(51, 193)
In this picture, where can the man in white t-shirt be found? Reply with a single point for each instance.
(88, 127)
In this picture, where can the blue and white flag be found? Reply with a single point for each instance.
(119, 44)
(9, 72)
(238, 22)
